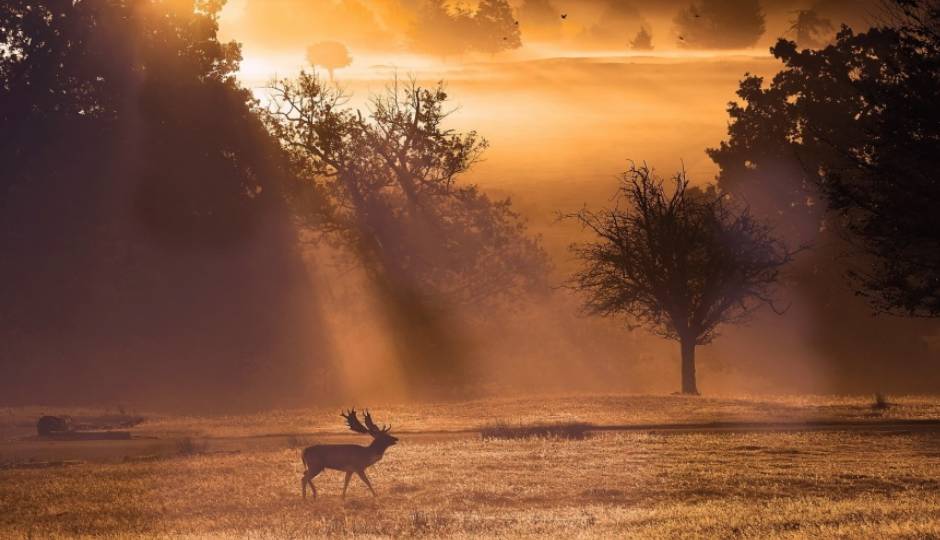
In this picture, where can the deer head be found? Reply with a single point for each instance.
(381, 435)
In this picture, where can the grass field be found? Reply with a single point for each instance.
(627, 484)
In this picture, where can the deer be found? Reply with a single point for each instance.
(349, 458)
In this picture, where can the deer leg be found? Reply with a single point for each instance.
(308, 479)
(362, 474)
(303, 484)
(346, 483)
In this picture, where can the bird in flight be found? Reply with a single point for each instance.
(564, 15)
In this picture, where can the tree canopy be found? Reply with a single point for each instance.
(720, 24)
(444, 31)
(330, 55)
(857, 125)
(391, 184)
(139, 190)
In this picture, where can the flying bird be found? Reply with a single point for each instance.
(564, 15)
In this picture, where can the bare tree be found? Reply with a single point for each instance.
(330, 55)
(680, 263)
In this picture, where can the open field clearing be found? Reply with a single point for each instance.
(809, 484)
(797, 485)
(472, 415)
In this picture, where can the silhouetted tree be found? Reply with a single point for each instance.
(441, 31)
(720, 24)
(613, 28)
(392, 182)
(496, 27)
(491, 28)
(810, 29)
(678, 261)
(858, 124)
(643, 40)
(330, 55)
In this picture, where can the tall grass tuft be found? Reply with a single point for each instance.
(881, 402)
(189, 447)
(575, 431)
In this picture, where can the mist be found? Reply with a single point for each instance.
(265, 312)
(564, 115)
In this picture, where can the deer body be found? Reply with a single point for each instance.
(349, 458)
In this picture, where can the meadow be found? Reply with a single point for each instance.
(645, 483)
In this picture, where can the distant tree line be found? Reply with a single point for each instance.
(442, 30)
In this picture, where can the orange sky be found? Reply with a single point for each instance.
(562, 122)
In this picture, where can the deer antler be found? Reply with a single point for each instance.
(354, 423)
(374, 429)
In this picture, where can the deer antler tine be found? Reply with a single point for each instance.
(353, 421)
(374, 429)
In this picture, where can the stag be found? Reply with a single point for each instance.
(349, 458)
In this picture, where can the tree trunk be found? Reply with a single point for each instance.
(688, 367)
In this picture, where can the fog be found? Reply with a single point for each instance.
(565, 114)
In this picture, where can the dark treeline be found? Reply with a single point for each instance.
(449, 29)
(146, 251)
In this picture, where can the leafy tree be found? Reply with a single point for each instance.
(331, 55)
(496, 27)
(391, 182)
(440, 31)
(810, 28)
(720, 24)
(679, 261)
(614, 26)
(443, 31)
(857, 124)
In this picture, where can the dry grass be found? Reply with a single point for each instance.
(759, 485)
(569, 431)
(596, 409)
